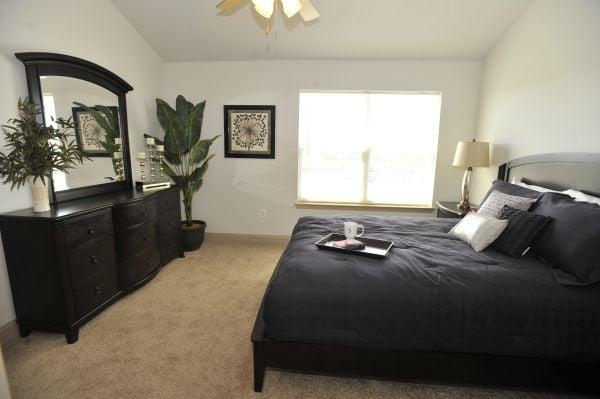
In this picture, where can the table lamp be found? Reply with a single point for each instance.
(470, 154)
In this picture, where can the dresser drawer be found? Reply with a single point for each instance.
(87, 228)
(130, 215)
(169, 220)
(168, 200)
(138, 266)
(90, 260)
(135, 239)
(169, 244)
(94, 291)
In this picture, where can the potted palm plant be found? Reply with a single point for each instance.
(35, 151)
(186, 158)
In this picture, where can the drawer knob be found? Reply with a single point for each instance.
(171, 243)
(146, 238)
(147, 261)
(98, 290)
(144, 214)
(170, 222)
(94, 259)
(91, 230)
(169, 203)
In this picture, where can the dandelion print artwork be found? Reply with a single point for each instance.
(89, 134)
(249, 131)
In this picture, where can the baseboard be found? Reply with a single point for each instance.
(9, 333)
(247, 238)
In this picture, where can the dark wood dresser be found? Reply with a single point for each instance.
(67, 265)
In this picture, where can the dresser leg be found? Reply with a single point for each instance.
(23, 331)
(182, 254)
(72, 335)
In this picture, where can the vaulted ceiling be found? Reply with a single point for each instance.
(194, 30)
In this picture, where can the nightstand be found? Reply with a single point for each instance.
(447, 209)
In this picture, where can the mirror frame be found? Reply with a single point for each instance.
(52, 64)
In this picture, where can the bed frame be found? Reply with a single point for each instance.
(558, 171)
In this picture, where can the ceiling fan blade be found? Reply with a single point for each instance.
(308, 11)
(227, 5)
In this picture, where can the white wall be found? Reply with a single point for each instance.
(235, 189)
(4, 388)
(541, 85)
(89, 29)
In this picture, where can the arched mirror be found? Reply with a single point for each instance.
(94, 98)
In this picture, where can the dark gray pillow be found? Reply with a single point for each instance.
(512, 189)
(523, 227)
(570, 244)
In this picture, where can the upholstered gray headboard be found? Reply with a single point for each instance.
(559, 171)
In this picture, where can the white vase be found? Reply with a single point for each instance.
(39, 194)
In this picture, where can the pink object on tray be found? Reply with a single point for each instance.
(349, 244)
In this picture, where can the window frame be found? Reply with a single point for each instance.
(301, 203)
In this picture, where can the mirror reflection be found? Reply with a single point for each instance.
(94, 114)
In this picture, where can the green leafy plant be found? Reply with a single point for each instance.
(35, 149)
(185, 153)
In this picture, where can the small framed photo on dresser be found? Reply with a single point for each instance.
(249, 131)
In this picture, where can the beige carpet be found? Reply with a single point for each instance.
(186, 334)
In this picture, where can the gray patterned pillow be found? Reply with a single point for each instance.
(496, 200)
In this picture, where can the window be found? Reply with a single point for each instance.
(59, 178)
(368, 147)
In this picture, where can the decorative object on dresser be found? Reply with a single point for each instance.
(67, 265)
(186, 157)
(155, 180)
(449, 209)
(36, 151)
(470, 155)
(249, 131)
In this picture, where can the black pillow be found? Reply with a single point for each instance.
(570, 244)
(520, 232)
(512, 189)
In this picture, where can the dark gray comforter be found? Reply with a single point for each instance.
(431, 293)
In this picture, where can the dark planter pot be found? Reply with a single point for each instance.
(193, 237)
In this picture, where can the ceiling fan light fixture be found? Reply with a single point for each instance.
(264, 7)
(291, 7)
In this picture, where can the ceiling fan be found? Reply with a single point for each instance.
(266, 8)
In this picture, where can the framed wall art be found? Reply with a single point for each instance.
(249, 131)
(91, 136)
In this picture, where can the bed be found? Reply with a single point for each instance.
(433, 309)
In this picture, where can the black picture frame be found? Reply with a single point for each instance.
(230, 110)
(78, 133)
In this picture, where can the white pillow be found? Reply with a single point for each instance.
(540, 189)
(496, 200)
(478, 230)
(582, 197)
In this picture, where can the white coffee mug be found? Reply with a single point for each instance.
(351, 230)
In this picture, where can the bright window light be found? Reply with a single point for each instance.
(59, 178)
(368, 147)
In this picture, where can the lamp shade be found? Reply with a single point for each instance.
(472, 153)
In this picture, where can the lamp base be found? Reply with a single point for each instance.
(464, 204)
